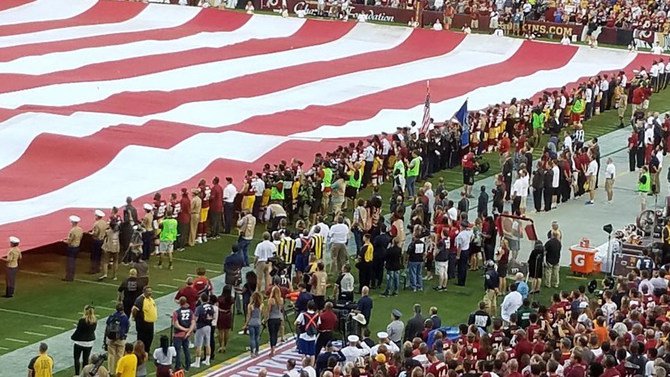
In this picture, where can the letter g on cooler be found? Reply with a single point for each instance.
(579, 260)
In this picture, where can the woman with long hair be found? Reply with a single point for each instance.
(253, 322)
(142, 358)
(224, 323)
(248, 288)
(163, 356)
(274, 316)
(84, 337)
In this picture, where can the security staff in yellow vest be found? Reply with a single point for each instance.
(644, 186)
(145, 314)
(364, 265)
(277, 192)
(326, 183)
(413, 173)
(355, 174)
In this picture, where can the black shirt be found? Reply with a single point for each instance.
(553, 251)
(365, 307)
(415, 251)
(381, 245)
(393, 259)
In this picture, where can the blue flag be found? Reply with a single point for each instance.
(462, 117)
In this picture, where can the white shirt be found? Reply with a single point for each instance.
(339, 233)
(390, 346)
(588, 94)
(649, 369)
(654, 70)
(302, 321)
(649, 136)
(592, 169)
(323, 229)
(452, 213)
(567, 143)
(292, 373)
(565, 41)
(604, 86)
(661, 68)
(437, 26)
(386, 146)
(463, 239)
(369, 153)
(264, 251)
(510, 304)
(610, 171)
(517, 187)
(164, 359)
(657, 50)
(311, 372)
(229, 193)
(258, 185)
(431, 199)
(352, 353)
(556, 176)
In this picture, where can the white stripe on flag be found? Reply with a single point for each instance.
(44, 10)
(154, 16)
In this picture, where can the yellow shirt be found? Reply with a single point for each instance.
(149, 310)
(74, 237)
(44, 366)
(127, 366)
(13, 257)
(99, 229)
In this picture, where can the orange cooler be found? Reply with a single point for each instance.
(582, 260)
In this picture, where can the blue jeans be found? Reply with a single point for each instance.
(254, 338)
(358, 238)
(410, 186)
(392, 281)
(415, 278)
(181, 345)
(244, 248)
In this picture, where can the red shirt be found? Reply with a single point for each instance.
(523, 347)
(504, 145)
(191, 295)
(184, 216)
(611, 372)
(638, 96)
(202, 285)
(468, 161)
(531, 330)
(216, 199)
(328, 321)
(438, 369)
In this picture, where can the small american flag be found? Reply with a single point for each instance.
(426, 110)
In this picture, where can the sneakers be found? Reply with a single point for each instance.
(195, 365)
(204, 239)
(206, 362)
(103, 277)
(589, 202)
(385, 294)
(198, 240)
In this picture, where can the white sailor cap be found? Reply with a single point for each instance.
(75, 219)
(13, 239)
(99, 213)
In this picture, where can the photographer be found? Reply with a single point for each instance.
(94, 368)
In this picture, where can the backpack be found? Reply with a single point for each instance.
(113, 328)
(208, 317)
(310, 326)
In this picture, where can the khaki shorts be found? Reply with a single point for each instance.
(441, 268)
(592, 183)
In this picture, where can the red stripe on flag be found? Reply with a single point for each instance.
(65, 168)
(207, 20)
(312, 33)
(103, 12)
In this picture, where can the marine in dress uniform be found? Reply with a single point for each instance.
(196, 207)
(73, 241)
(98, 232)
(12, 261)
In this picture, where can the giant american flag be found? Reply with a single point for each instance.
(100, 100)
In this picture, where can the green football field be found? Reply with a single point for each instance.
(45, 306)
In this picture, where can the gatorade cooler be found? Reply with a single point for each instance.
(582, 259)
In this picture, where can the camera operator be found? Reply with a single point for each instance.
(94, 368)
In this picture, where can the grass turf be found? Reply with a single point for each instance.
(46, 306)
